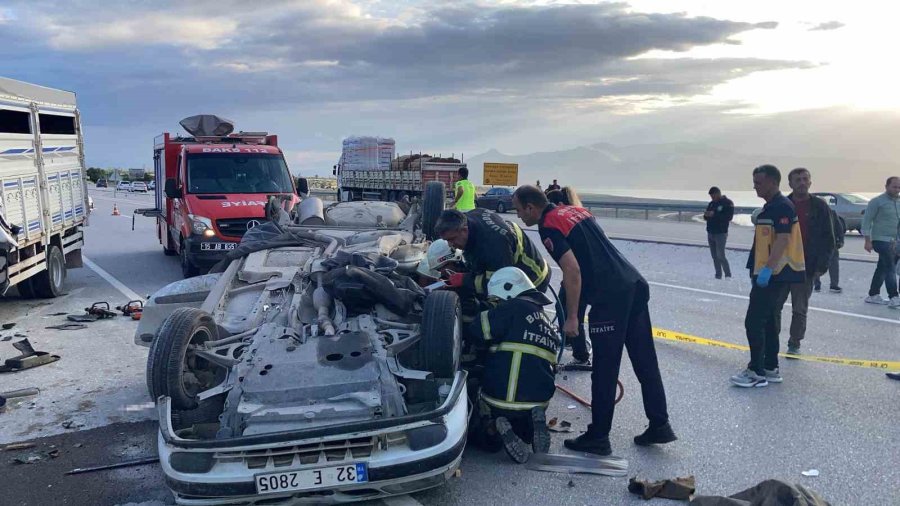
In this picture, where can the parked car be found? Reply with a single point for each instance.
(151, 185)
(848, 206)
(123, 186)
(354, 393)
(139, 186)
(498, 199)
(101, 183)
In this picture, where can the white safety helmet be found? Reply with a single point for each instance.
(425, 270)
(440, 254)
(508, 282)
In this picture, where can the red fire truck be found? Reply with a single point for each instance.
(216, 185)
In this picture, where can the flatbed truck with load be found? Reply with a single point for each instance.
(385, 177)
(42, 188)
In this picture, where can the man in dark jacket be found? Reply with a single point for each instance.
(518, 380)
(834, 266)
(718, 216)
(489, 243)
(817, 233)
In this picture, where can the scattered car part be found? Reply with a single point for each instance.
(132, 308)
(97, 311)
(68, 326)
(586, 402)
(18, 446)
(604, 466)
(28, 359)
(117, 465)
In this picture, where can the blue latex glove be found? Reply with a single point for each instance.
(762, 280)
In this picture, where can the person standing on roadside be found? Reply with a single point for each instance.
(718, 216)
(594, 270)
(817, 234)
(834, 265)
(464, 200)
(775, 261)
(554, 186)
(881, 228)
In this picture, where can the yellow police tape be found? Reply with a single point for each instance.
(672, 335)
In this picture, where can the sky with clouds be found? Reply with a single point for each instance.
(455, 76)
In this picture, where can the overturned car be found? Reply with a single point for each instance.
(312, 368)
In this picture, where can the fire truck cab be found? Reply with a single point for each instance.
(216, 186)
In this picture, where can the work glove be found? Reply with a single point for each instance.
(455, 280)
(762, 280)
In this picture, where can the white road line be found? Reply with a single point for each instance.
(118, 285)
(401, 500)
(744, 297)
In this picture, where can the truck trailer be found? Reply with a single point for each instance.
(44, 191)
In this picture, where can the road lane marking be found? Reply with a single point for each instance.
(744, 297)
(118, 285)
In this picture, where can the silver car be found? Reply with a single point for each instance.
(849, 207)
(313, 369)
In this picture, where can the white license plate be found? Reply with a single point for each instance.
(306, 479)
(217, 246)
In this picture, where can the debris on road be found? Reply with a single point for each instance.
(603, 466)
(7, 338)
(31, 459)
(97, 311)
(133, 308)
(678, 488)
(556, 425)
(28, 359)
(71, 424)
(118, 465)
(18, 446)
(7, 326)
(812, 473)
(67, 326)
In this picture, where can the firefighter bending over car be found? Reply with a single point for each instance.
(489, 243)
(518, 378)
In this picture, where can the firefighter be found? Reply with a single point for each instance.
(518, 379)
(439, 263)
(489, 244)
(596, 272)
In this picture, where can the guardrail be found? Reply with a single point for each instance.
(646, 210)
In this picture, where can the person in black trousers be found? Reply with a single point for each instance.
(718, 216)
(596, 272)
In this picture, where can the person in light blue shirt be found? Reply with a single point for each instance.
(881, 228)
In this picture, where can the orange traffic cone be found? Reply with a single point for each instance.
(116, 210)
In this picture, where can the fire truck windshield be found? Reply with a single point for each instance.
(237, 173)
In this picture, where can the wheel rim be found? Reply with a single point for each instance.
(501, 208)
(194, 378)
(56, 272)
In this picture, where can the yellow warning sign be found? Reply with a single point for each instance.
(501, 174)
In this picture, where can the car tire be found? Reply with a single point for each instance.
(172, 370)
(501, 207)
(440, 343)
(49, 283)
(188, 269)
(432, 207)
(169, 251)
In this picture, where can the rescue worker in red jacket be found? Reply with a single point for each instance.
(595, 271)
(518, 380)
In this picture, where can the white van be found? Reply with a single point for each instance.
(44, 193)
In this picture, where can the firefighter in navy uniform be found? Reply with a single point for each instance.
(597, 273)
(518, 380)
(489, 243)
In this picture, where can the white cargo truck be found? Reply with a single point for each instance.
(44, 190)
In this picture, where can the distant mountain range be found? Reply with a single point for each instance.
(679, 166)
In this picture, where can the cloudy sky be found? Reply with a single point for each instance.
(453, 76)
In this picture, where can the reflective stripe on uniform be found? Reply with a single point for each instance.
(514, 406)
(520, 256)
(525, 348)
(486, 326)
(513, 384)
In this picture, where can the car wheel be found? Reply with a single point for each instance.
(173, 367)
(433, 206)
(501, 208)
(49, 283)
(441, 335)
(169, 251)
(188, 269)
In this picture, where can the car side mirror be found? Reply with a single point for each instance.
(302, 186)
(172, 190)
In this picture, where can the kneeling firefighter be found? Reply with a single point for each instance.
(518, 380)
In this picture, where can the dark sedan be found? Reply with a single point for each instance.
(848, 206)
(497, 199)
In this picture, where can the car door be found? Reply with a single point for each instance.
(489, 199)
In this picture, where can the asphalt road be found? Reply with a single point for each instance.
(839, 420)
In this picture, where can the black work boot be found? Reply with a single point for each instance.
(590, 444)
(540, 442)
(656, 436)
(513, 444)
